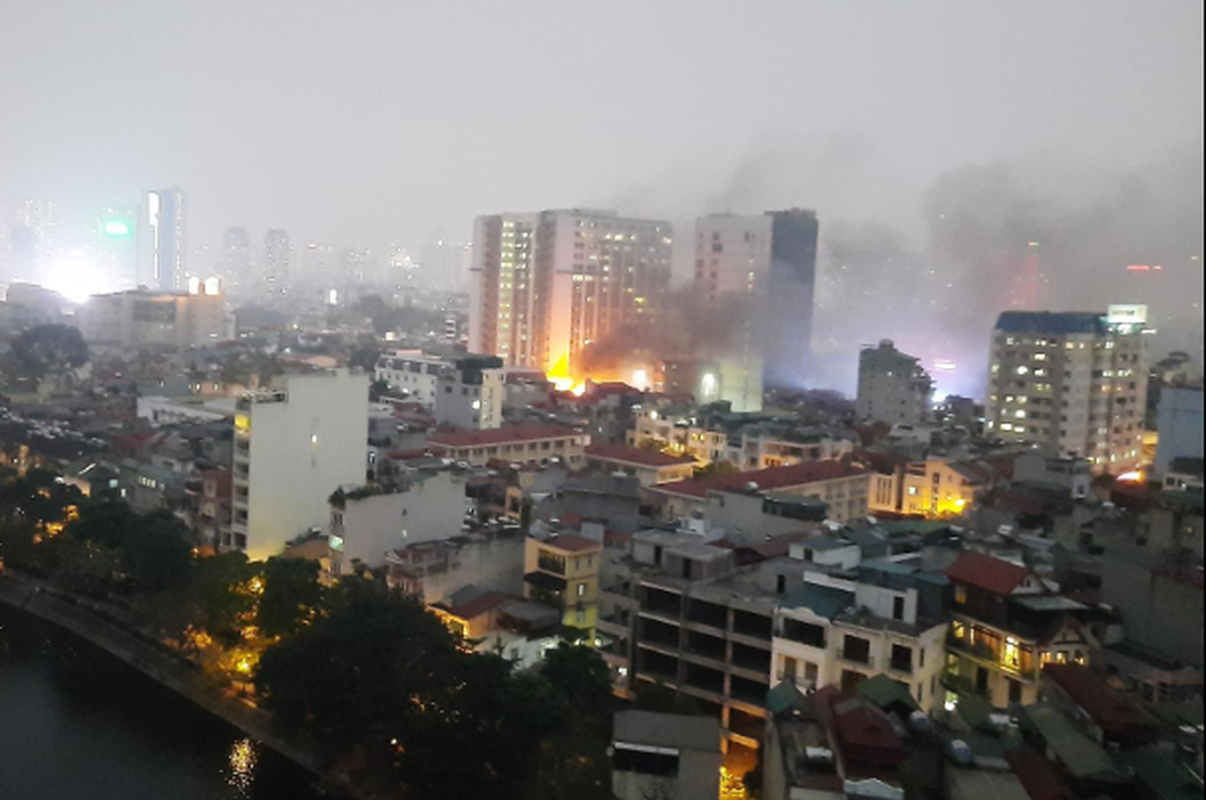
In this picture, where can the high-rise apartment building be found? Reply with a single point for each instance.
(892, 387)
(1074, 384)
(28, 238)
(756, 275)
(114, 244)
(547, 285)
(276, 261)
(236, 263)
(162, 239)
(295, 446)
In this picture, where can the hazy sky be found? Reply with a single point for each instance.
(371, 122)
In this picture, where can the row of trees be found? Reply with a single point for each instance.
(375, 673)
(90, 547)
(366, 670)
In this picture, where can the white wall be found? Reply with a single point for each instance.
(301, 451)
(431, 509)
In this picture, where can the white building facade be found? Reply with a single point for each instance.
(1074, 384)
(293, 447)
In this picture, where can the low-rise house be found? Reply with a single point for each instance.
(847, 626)
(514, 443)
(844, 488)
(369, 522)
(650, 467)
(1007, 622)
(562, 571)
(829, 745)
(665, 756)
(1109, 718)
(1089, 770)
(435, 571)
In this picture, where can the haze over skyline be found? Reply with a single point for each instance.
(366, 124)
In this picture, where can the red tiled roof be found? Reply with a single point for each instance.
(987, 573)
(766, 479)
(1038, 776)
(1191, 576)
(1113, 713)
(503, 435)
(480, 605)
(636, 455)
(573, 543)
(867, 736)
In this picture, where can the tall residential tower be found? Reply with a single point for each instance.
(162, 239)
(546, 286)
(756, 274)
(1074, 384)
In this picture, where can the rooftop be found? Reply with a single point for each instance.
(571, 543)
(636, 455)
(668, 730)
(1080, 755)
(1052, 322)
(987, 573)
(762, 480)
(504, 435)
(1110, 710)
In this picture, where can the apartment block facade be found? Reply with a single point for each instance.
(1074, 384)
(546, 285)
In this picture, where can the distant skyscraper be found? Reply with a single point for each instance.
(1074, 384)
(318, 263)
(162, 230)
(758, 273)
(546, 286)
(236, 259)
(403, 270)
(28, 238)
(445, 264)
(276, 261)
(358, 266)
(115, 243)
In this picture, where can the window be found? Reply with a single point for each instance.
(1015, 691)
(581, 590)
(898, 608)
(902, 658)
(960, 595)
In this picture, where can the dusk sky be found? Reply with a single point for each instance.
(365, 123)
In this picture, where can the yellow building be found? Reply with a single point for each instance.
(563, 572)
(938, 488)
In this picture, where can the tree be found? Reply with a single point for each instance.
(157, 553)
(291, 596)
(156, 549)
(220, 594)
(582, 675)
(364, 353)
(49, 348)
(361, 670)
(87, 568)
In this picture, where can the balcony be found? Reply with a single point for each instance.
(755, 626)
(857, 656)
(660, 602)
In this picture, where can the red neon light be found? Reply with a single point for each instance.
(1139, 268)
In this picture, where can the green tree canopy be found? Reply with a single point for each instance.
(46, 348)
(291, 596)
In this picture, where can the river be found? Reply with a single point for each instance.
(78, 724)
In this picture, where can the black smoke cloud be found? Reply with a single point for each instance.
(987, 226)
(936, 274)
